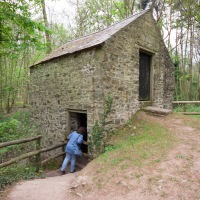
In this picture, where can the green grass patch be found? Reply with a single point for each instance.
(189, 108)
(196, 116)
(138, 143)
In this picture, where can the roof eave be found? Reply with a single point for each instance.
(69, 53)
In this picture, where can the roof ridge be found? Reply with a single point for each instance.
(92, 39)
(142, 12)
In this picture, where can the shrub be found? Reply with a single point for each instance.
(14, 127)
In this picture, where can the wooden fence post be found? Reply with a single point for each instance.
(38, 156)
(185, 107)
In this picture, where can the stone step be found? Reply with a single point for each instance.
(157, 111)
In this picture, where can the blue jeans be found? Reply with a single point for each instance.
(69, 157)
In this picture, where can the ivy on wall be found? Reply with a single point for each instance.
(97, 142)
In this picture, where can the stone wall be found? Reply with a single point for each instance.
(82, 80)
(61, 85)
(120, 68)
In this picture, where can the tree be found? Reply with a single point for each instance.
(94, 15)
(59, 35)
(19, 34)
(179, 22)
(46, 23)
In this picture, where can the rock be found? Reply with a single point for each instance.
(79, 181)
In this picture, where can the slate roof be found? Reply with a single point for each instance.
(91, 40)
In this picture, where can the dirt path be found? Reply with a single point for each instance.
(176, 177)
(51, 188)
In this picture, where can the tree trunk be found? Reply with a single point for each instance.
(170, 26)
(1, 72)
(191, 57)
(198, 84)
(47, 35)
(153, 4)
(182, 81)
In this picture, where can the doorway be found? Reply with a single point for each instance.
(144, 76)
(77, 119)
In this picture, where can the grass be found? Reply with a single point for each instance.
(139, 143)
(189, 108)
(196, 116)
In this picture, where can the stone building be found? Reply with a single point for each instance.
(127, 60)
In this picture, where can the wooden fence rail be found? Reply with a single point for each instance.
(36, 153)
(184, 103)
(38, 150)
(6, 144)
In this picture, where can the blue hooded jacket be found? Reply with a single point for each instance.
(75, 139)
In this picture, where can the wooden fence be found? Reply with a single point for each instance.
(185, 103)
(38, 138)
(36, 152)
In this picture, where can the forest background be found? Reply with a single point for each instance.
(30, 29)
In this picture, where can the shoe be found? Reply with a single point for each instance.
(73, 171)
(62, 172)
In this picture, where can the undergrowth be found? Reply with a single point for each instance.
(14, 127)
(189, 108)
(17, 172)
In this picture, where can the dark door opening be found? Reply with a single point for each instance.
(144, 77)
(76, 120)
